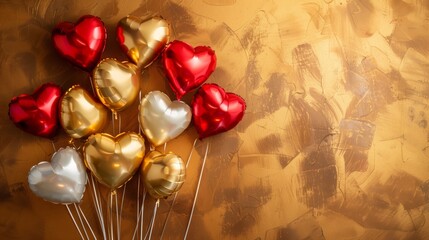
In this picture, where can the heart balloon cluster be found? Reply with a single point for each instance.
(113, 160)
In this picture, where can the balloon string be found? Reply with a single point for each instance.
(120, 123)
(111, 230)
(116, 116)
(71, 141)
(97, 205)
(81, 221)
(53, 145)
(140, 100)
(92, 85)
(140, 216)
(74, 221)
(196, 193)
(122, 206)
(152, 222)
(175, 195)
(95, 202)
(113, 123)
(190, 154)
(118, 230)
(86, 221)
(138, 201)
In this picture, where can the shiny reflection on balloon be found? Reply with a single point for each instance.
(114, 160)
(186, 67)
(62, 180)
(37, 113)
(80, 114)
(81, 43)
(162, 119)
(142, 39)
(163, 174)
(215, 111)
(116, 83)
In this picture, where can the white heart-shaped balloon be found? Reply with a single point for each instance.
(62, 180)
(162, 119)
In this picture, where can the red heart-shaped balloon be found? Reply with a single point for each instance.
(187, 68)
(37, 113)
(81, 43)
(215, 111)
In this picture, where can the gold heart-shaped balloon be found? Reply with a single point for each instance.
(80, 114)
(142, 39)
(163, 174)
(114, 160)
(116, 83)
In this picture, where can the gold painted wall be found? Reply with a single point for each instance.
(334, 143)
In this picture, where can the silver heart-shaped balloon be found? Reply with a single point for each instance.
(62, 180)
(162, 119)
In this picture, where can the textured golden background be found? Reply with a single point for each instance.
(334, 144)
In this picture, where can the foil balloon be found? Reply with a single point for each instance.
(116, 83)
(187, 67)
(62, 180)
(80, 114)
(37, 113)
(81, 43)
(215, 111)
(162, 119)
(163, 174)
(114, 160)
(142, 39)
